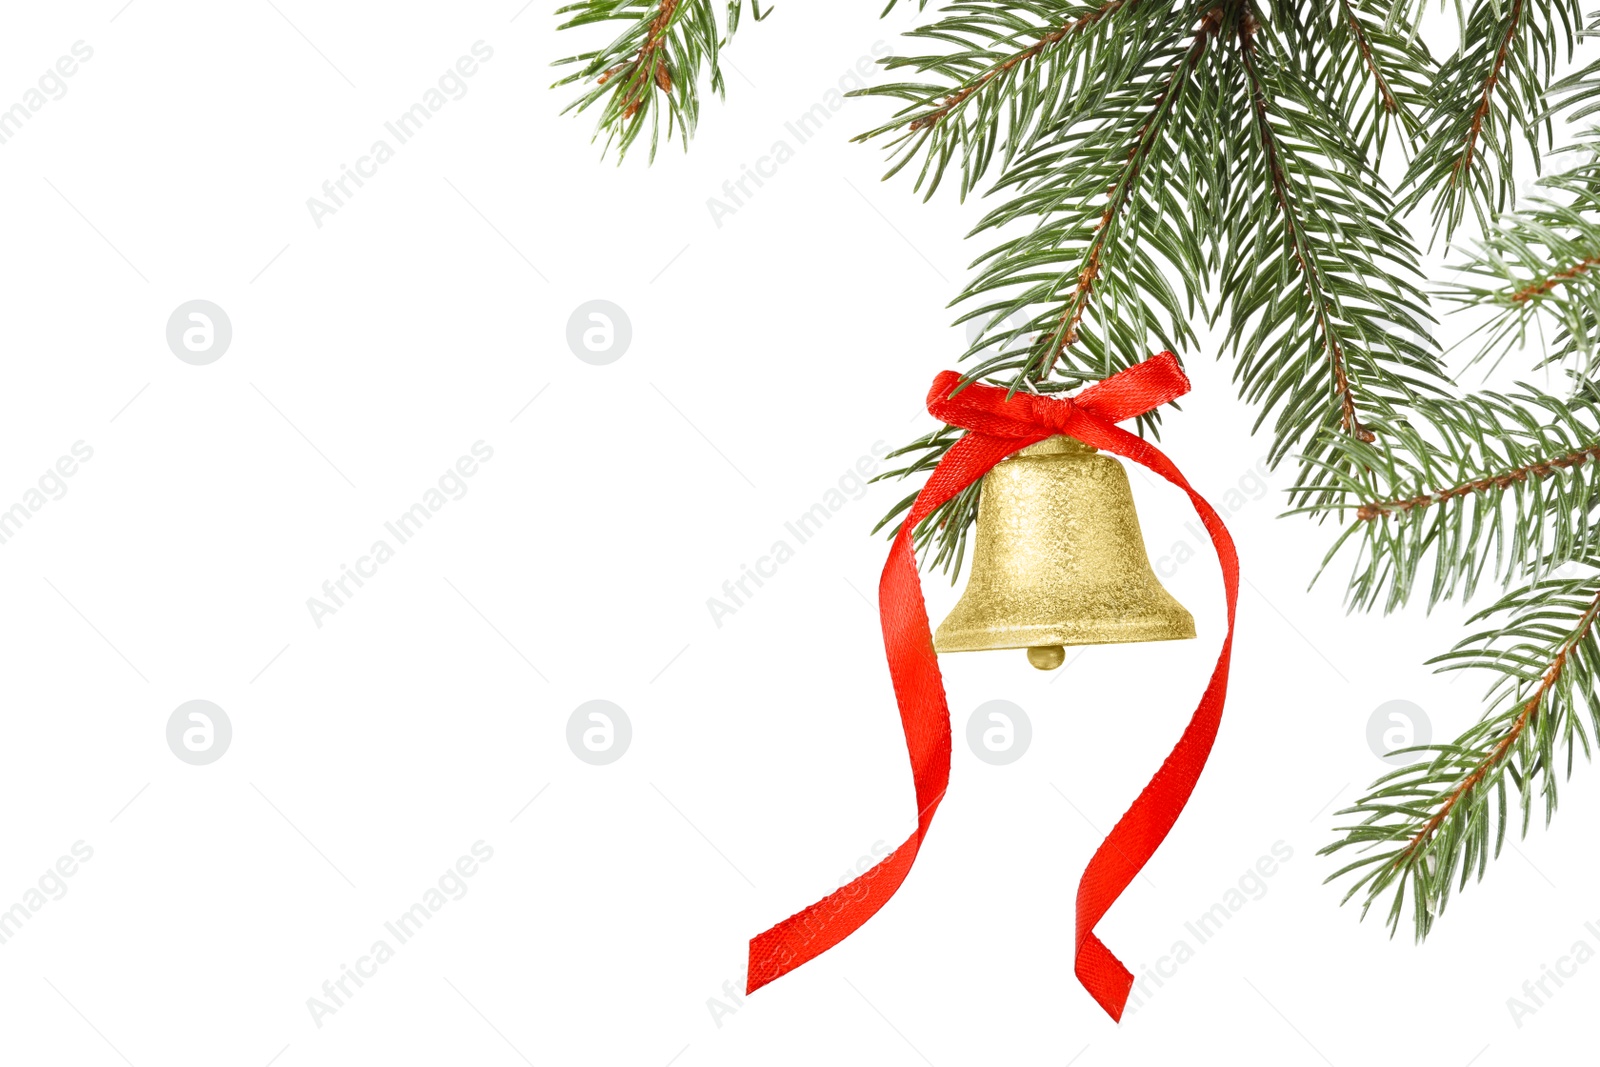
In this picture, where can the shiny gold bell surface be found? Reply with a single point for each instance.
(1058, 559)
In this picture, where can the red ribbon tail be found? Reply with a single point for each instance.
(807, 934)
(1103, 975)
(1146, 823)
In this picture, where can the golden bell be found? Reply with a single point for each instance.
(1058, 560)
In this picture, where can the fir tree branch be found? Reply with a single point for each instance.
(1463, 161)
(1377, 76)
(1425, 828)
(1361, 37)
(996, 95)
(650, 74)
(1342, 322)
(1537, 265)
(959, 97)
(1537, 288)
(1494, 87)
(1538, 469)
(1486, 484)
(1123, 189)
(1296, 237)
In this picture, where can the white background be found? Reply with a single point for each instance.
(368, 754)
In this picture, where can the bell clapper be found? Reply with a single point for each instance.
(1047, 657)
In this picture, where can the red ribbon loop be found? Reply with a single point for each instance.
(999, 425)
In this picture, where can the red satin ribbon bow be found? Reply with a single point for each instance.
(999, 427)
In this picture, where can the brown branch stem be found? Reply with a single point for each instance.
(1348, 420)
(649, 60)
(1464, 164)
(1384, 95)
(1120, 192)
(1544, 285)
(1539, 469)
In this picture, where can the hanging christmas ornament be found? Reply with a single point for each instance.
(1058, 559)
(1056, 569)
